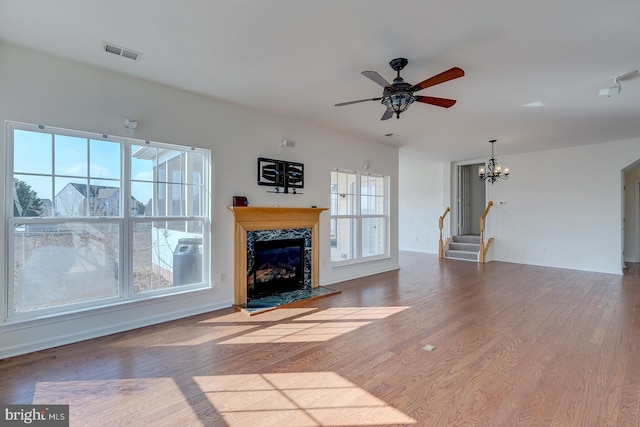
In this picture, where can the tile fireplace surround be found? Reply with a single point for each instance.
(248, 219)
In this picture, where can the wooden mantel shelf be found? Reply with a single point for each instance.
(252, 218)
(271, 214)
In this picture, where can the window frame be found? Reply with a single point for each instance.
(126, 221)
(357, 216)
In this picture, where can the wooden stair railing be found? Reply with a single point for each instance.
(484, 248)
(441, 244)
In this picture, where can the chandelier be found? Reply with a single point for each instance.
(493, 170)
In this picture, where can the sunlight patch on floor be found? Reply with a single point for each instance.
(321, 325)
(353, 313)
(268, 316)
(302, 399)
(297, 332)
(185, 337)
(212, 334)
(134, 401)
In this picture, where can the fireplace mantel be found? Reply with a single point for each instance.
(250, 218)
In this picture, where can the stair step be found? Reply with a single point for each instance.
(467, 238)
(470, 247)
(464, 255)
(463, 247)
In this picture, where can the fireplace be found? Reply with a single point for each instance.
(278, 266)
(270, 226)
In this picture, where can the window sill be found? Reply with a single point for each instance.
(359, 261)
(18, 322)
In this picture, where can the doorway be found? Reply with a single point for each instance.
(630, 221)
(471, 199)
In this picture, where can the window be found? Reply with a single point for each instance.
(359, 216)
(99, 220)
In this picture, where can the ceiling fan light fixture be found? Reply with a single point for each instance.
(398, 96)
(398, 102)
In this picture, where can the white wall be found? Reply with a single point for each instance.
(562, 208)
(422, 201)
(36, 88)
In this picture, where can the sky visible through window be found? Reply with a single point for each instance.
(76, 159)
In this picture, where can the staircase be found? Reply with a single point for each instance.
(465, 247)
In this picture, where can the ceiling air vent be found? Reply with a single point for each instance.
(121, 51)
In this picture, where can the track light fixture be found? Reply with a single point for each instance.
(616, 88)
(611, 90)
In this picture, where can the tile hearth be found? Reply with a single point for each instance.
(270, 302)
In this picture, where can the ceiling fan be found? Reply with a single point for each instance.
(398, 96)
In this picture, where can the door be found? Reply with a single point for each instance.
(471, 199)
(464, 200)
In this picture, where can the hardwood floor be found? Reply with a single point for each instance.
(515, 345)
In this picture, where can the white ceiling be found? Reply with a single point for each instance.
(300, 57)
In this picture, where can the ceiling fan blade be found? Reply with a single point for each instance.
(439, 102)
(445, 76)
(355, 102)
(376, 78)
(387, 114)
